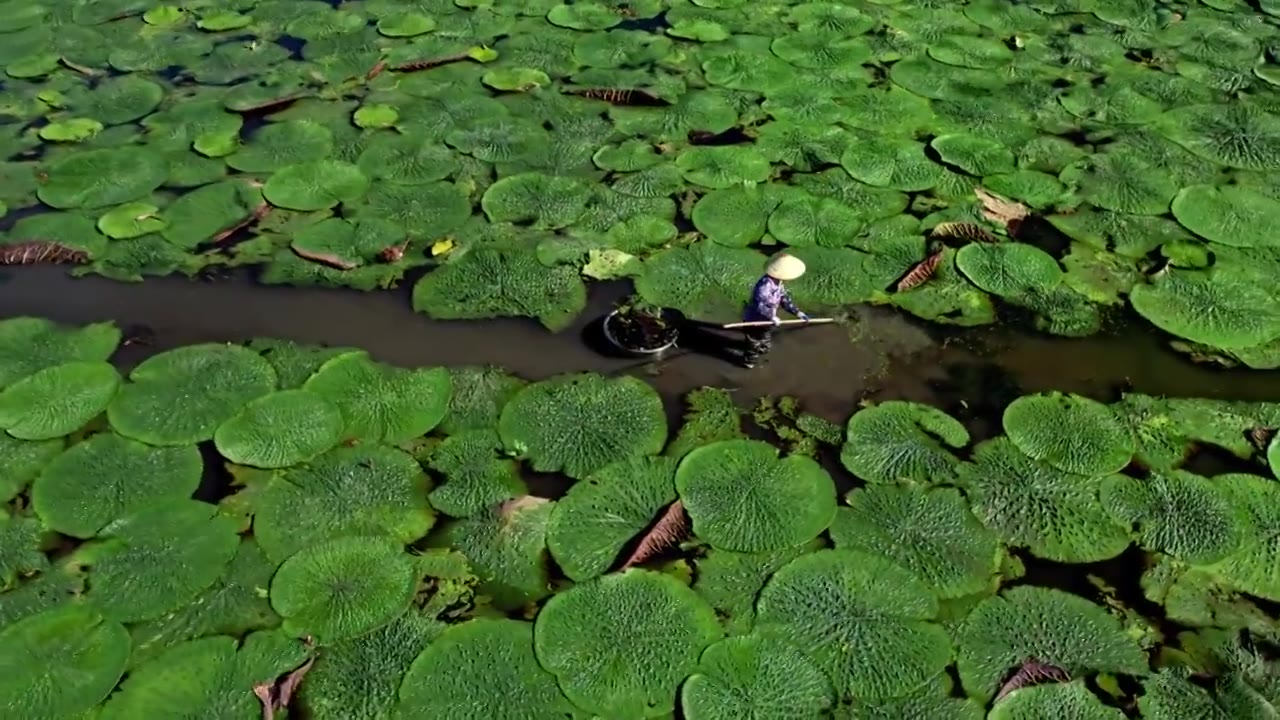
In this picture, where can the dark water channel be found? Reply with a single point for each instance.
(878, 354)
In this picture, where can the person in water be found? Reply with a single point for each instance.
(768, 294)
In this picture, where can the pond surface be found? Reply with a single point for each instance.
(875, 354)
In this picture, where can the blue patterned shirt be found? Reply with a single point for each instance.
(765, 299)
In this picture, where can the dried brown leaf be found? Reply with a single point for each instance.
(326, 259)
(618, 96)
(263, 691)
(376, 70)
(921, 273)
(289, 685)
(428, 63)
(82, 69)
(671, 528)
(971, 232)
(1032, 672)
(33, 252)
(1001, 210)
(1261, 437)
(253, 217)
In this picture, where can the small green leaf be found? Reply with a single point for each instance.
(165, 16)
(33, 66)
(131, 220)
(217, 144)
(515, 79)
(700, 30)
(72, 130)
(482, 53)
(220, 21)
(405, 25)
(376, 116)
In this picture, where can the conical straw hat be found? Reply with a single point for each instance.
(785, 267)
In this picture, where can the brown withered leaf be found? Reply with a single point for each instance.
(34, 252)
(326, 259)
(971, 232)
(428, 63)
(1002, 210)
(1261, 437)
(921, 273)
(671, 528)
(1032, 672)
(277, 694)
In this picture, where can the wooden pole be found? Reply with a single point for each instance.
(769, 323)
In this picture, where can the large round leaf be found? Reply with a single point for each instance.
(482, 668)
(1177, 513)
(577, 424)
(343, 588)
(487, 283)
(1069, 432)
(156, 561)
(21, 461)
(201, 214)
(181, 396)
(506, 545)
(57, 401)
(1055, 700)
(595, 520)
(60, 663)
(98, 178)
(477, 476)
(108, 477)
(1234, 215)
(1221, 308)
(1048, 625)
(899, 441)
(407, 160)
(280, 429)
(621, 644)
(479, 394)
(1056, 515)
(1008, 269)
(755, 677)
(932, 533)
(544, 200)
(282, 144)
(29, 344)
(855, 615)
(723, 166)
(1236, 134)
(381, 403)
(363, 490)
(315, 185)
(742, 496)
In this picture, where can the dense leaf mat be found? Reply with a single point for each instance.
(462, 543)
(500, 153)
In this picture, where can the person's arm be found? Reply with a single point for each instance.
(791, 306)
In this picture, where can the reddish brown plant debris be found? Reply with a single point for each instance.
(82, 69)
(34, 252)
(617, 96)
(672, 528)
(270, 103)
(921, 273)
(1032, 672)
(326, 259)
(964, 231)
(393, 253)
(1001, 210)
(276, 694)
(376, 70)
(257, 214)
(1261, 437)
(428, 63)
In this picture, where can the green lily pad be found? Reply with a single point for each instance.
(72, 130)
(212, 381)
(131, 220)
(315, 185)
(405, 24)
(128, 477)
(57, 401)
(516, 79)
(61, 662)
(222, 21)
(343, 588)
(722, 167)
(376, 116)
(487, 283)
(28, 345)
(98, 178)
(380, 403)
(1232, 215)
(280, 429)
